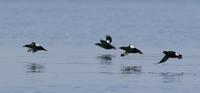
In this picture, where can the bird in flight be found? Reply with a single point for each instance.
(34, 47)
(106, 44)
(170, 54)
(129, 49)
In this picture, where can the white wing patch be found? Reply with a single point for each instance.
(177, 54)
(131, 46)
(108, 41)
(37, 44)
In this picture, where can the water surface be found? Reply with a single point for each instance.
(69, 29)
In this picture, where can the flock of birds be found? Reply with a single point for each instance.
(106, 44)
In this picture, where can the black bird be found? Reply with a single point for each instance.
(34, 47)
(106, 44)
(170, 54)
(130, 49)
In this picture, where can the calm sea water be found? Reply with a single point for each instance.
(69, 29)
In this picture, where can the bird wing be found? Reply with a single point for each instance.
(112, 46)
(123, 48)
(124, 54)
(163, 59)
(139, 51)
(28, 45)
(108, 37)
(103, 42)
(41, 48)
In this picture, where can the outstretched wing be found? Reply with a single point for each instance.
(123, 48)
(124, 54)
(111, 46)
(41, 48)
(28, 45)
(139, 51)
(164, 59)
(103, 42)
(108, 38)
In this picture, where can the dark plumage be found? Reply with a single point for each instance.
(170, 54)
(34, 47)
(130, 49)
(106, 44)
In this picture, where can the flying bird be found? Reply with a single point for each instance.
(129, 49)
(106, 44)
(170, 54)
(34, 47)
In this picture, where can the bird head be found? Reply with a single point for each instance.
(33, 43)
(180, 56)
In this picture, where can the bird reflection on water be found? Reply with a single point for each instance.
(170, 77)
(106, 58)
(131, 69)
(34, 68)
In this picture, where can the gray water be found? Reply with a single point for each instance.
(73, 64)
